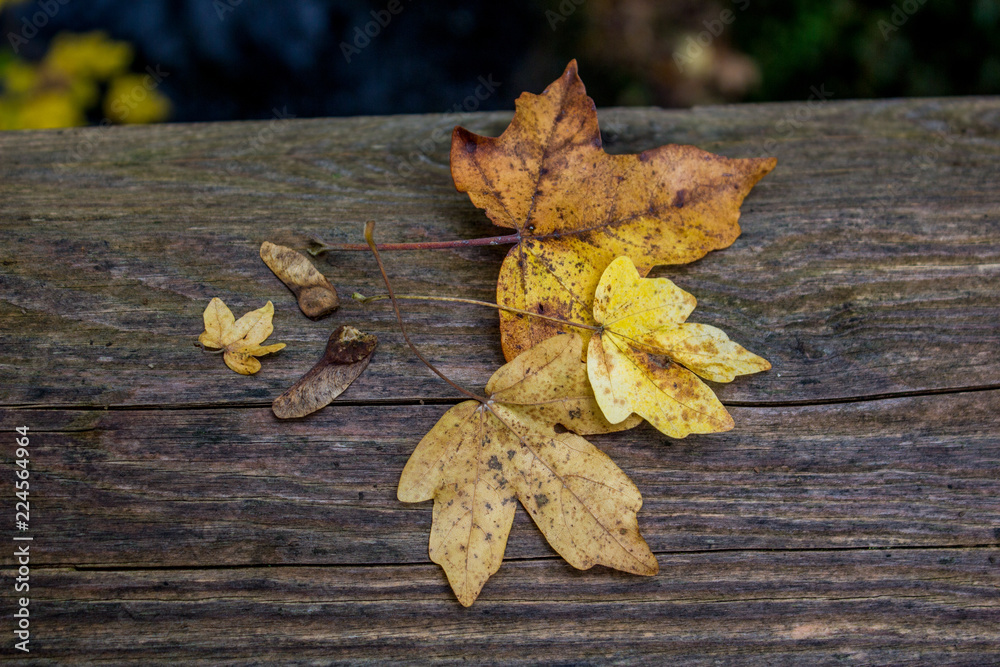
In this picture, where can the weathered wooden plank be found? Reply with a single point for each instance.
(869, 264)
(898, 606)
(157, 488)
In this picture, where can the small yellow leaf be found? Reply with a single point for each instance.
(240, 339)
(645, 359)
(219, 322)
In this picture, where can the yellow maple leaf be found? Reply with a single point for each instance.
(240, 339)
(577, 208)
(481, 458)
(641, 319)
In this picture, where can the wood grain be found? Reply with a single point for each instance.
(852, 515)
(191, 488)
(871, 253)
(901, 607)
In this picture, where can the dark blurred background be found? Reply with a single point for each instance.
(75, 62)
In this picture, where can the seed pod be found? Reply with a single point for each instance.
(316, 296)
(347, 354)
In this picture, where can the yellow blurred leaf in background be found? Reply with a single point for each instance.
(133, 99)
(49, 110)
(19, 77)
(64, 87)
(93, 55)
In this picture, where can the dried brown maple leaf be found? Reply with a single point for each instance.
(577, 208)
(316, 296)
(481, 458)
(347, 355)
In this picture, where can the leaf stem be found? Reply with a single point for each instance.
(509, 239)
(369, 237)
(474, 302)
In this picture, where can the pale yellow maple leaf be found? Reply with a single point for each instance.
(480, 459)
(240, 339)
(642, 321)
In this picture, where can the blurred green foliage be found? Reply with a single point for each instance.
(688, 52)
(675, 53)
(860, 48)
